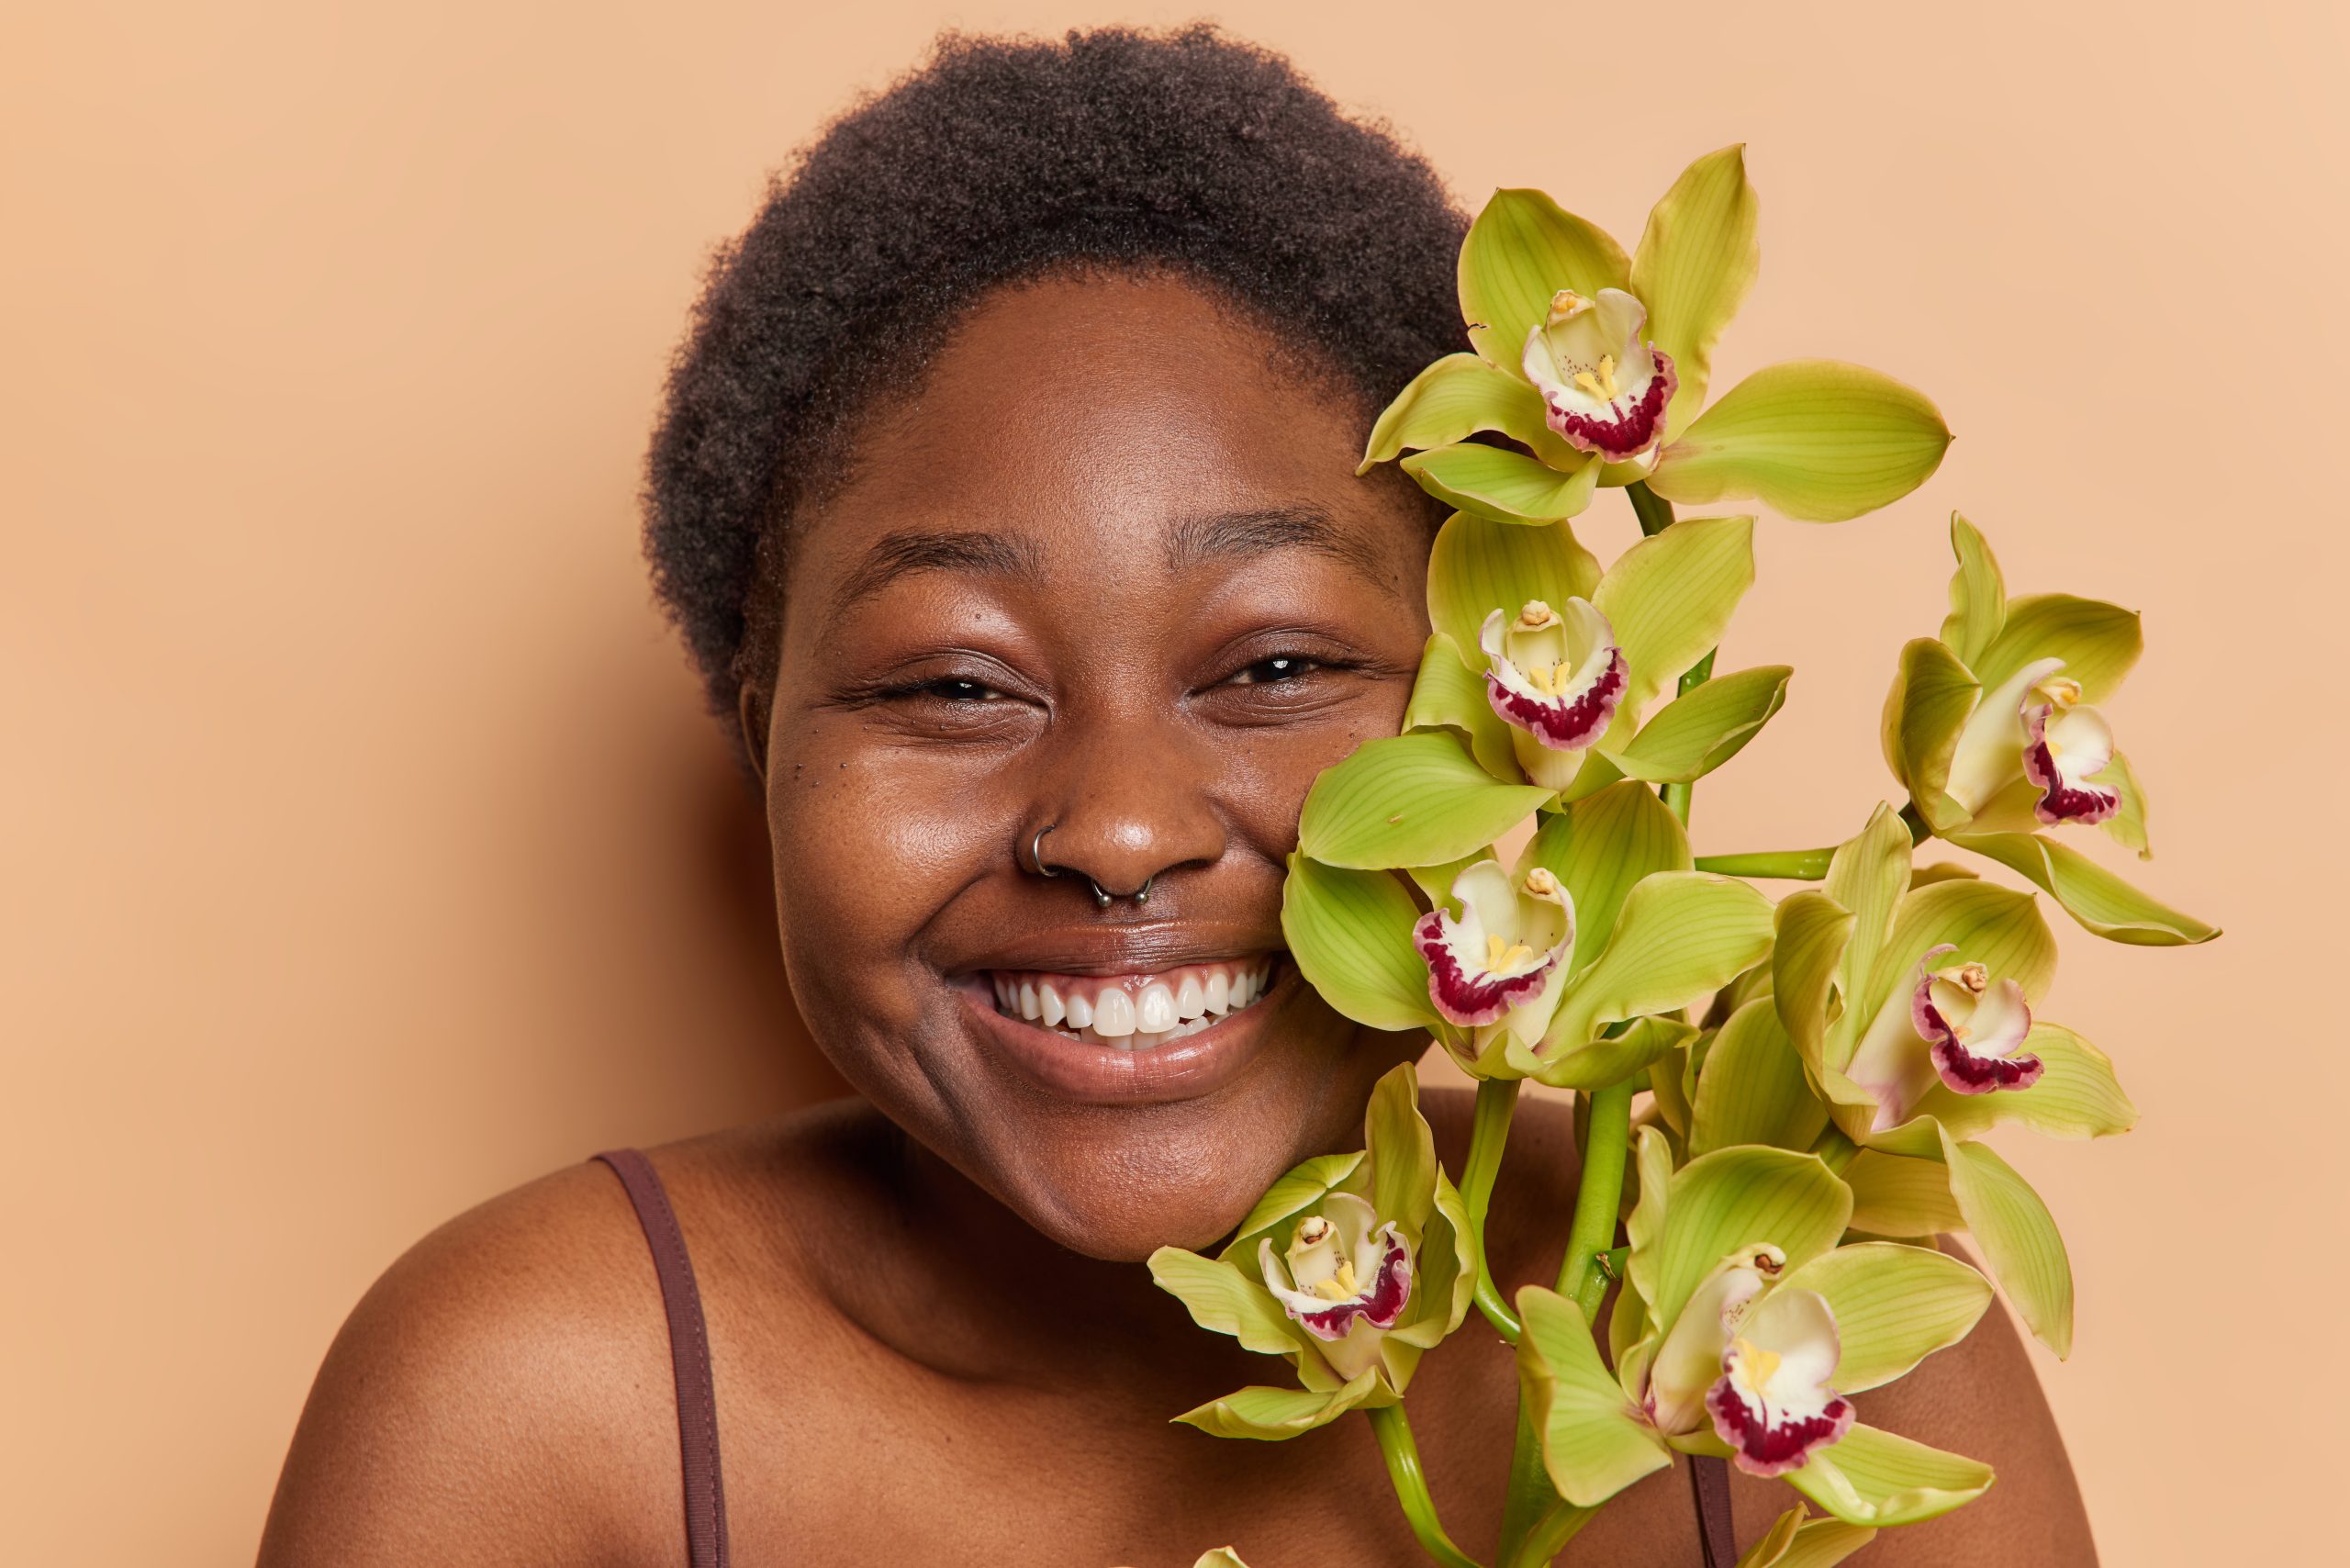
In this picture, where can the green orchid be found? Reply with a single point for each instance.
(1995, 730)
(1744, 1330)
(1911, 1009)
(1596, 364)
(1560, 968)
(1350, 1267)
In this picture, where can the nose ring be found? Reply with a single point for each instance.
(1100, 896)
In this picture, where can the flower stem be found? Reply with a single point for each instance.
(1488, 1132)
(1592, 1229)
(1393, 1430)
(1553, 1531)
(1654, 511)
(1790, 865)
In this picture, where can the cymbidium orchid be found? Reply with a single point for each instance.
(1350, 1267)
(1994, 728)
(1556, 678)
(1596, 364)
(1751, 1350)
(1911, 1009)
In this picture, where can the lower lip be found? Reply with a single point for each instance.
(1182, 1069)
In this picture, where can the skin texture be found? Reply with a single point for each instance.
(932, 1342)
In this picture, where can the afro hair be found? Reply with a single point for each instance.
(996, 161)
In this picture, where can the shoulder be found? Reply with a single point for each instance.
(504, 1392)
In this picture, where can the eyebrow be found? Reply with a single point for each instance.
(1238, 535)
(1226, 535)
(907, 551)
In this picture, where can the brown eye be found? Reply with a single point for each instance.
(1279, 667)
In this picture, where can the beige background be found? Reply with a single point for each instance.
(366, 852)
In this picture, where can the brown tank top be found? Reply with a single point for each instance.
(698, 1401)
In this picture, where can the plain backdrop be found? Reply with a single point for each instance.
(366, 851)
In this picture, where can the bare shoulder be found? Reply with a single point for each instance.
(504, 1392)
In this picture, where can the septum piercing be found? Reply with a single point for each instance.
(1100, 897)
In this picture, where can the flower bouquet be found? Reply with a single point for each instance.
(1782, 1103)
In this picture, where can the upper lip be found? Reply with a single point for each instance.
(1140, 948)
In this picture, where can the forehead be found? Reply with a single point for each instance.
(1099, 417)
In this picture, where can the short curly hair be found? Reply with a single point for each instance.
(996, 161)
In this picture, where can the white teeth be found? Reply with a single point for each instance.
(1219, 993)
(1154, 1009)
(1081, 1011)
(1050, 1001)
(1191, 1001)
(1143, 1040)
(1028, 1006)
(1003, 993)
(1114, 1013)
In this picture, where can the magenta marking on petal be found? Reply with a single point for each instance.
(1563, 724)
(1635, 433)
(1770, 1442)
(1379, 1306)
(2061, 800)
(1469, 1000)
(1963, 1072)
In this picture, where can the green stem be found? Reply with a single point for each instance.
(1393, 1430)
(1608, 1267)
(1677, 795)
(1918, 830)
(1592, 1229)
(1488, 1132)
(1834, 1148)
(1531, 1497)
(1789, 865)
(1552, 1532)
(1654, 511)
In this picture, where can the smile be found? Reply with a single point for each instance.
(1134, 1012)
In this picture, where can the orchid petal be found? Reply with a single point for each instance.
(1752, 1088)
(1297, 1189)
(1670, 598)
(1448, 695)
(1693, 265)
(1520, 251)
(2101, 901)
(1502, 951)
(2076, 1095)
(1813, 440)
(1926, 714)
(1652, 1165)
(1772, 1403)
(1734, 1198)
(1811, 933)
(1409, 800)
(1502, 486)
(1477, 565)
(1691, 737)
(1680, 934)
(1274, 1414)
(1401, 1150)
(1555, 675)
(1609, 1058)
(1877, 1478)
(1593, 1442)
(1350, 934)
(2097, 642)
(1455, 397)
(1995, 927)
(1600, 848)
(1979, 595)
(1894, 1305)
(2127, 825)
(2019, 1239)
(1795, 1541)
(1687, 1358)
(1223, 1300)
(1898, 1195)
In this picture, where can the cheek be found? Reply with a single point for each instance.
(1269, 771)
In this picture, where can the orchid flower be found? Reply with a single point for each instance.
(1910, 1001)
(1596, 364)
(1753, 1348)
(1349, 1266)
(1562, 968)
(1556, 680)
(1994, 728)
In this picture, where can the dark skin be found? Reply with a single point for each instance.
(933, 1339)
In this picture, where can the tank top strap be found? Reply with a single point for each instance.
(688, 1356)
(1710, 1487)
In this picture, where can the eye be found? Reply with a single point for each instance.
(1279, 667)
(952, 688)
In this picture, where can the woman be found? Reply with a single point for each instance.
(1005, 496)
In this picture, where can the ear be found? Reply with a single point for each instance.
(752, 714)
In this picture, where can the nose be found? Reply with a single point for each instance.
(1126, 807)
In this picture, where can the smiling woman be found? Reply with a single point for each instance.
(1005, 498)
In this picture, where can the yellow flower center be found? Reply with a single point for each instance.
(1565, 306)
(1340, 1285)
(1550, 679)
(1603, 385)
(1500, 955)
(1758, 1364)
